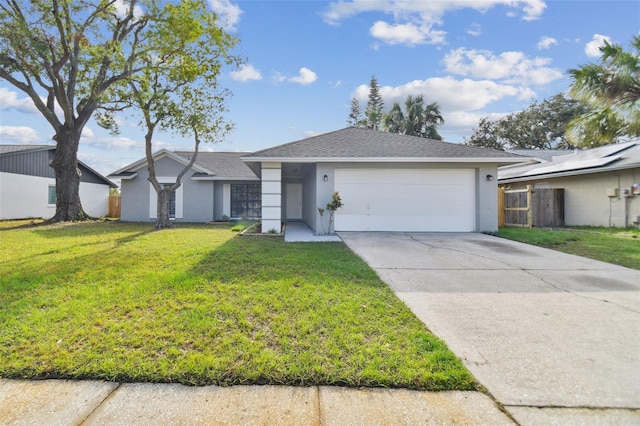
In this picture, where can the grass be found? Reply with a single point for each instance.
(199, 304)
(614, 245)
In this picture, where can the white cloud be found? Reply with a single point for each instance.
(592, 49)
(409, 33)
(122, 9)
(108, 143)
(450, 93)
(335, 84)
(512, 67)
(246, 73)
(546, 42)
(87, 132)
(305, 76)
(278, 77)
(475, 29)
(20, 135)
(228, 13)
(461, 101)
(414, 21)
(9, 99)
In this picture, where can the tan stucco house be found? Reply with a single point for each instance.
(601, 185)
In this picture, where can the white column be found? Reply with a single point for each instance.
(226, 199)
(271, 197)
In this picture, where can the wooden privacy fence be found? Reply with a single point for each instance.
(114, 206)
(528, 207)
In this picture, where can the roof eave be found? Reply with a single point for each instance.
(500, 160)
(123, 176)
(223, 178)
(134, 167)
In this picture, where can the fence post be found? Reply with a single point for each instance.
(501, 212)
(529, 206)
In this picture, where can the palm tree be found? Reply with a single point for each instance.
(418, 119)
(432, 118)
(394, 120)
(611, 90)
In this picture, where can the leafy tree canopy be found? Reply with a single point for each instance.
(68, 57)
(177, 87)
(541, 125)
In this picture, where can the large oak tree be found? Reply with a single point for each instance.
(70, 52)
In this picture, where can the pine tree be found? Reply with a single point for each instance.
(373, 113)
(355, 116)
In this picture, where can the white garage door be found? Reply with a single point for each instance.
(406, 200)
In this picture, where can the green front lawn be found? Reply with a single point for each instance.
(613, 245)
(199, 304)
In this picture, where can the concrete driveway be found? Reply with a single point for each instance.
(550, 335)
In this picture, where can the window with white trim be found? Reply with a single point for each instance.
(52, 195)
(175, 203)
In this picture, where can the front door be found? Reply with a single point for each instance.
(293, 193)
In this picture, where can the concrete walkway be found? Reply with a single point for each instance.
(61, 402)
(555, 338)
(299, 232)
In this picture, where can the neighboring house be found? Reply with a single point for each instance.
(28, 185)
(601, 185)
(219, 185)
(387, 182)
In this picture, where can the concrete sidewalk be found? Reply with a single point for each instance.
(64, 402)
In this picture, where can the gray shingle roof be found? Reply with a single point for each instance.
(223, 164)
(7, 149)
(354, 142)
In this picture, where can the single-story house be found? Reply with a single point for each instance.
(218, 186)
(387, 182)
(601, 185)
(28, 184)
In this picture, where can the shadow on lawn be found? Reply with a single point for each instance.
(266, 259)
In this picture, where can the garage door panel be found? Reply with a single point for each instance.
(406, 200)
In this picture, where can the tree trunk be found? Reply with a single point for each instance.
(65, 165)
(163, 220)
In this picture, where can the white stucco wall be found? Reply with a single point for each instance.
(23, 196)
(94, 198)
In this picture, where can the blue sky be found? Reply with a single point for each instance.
(305, 60)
